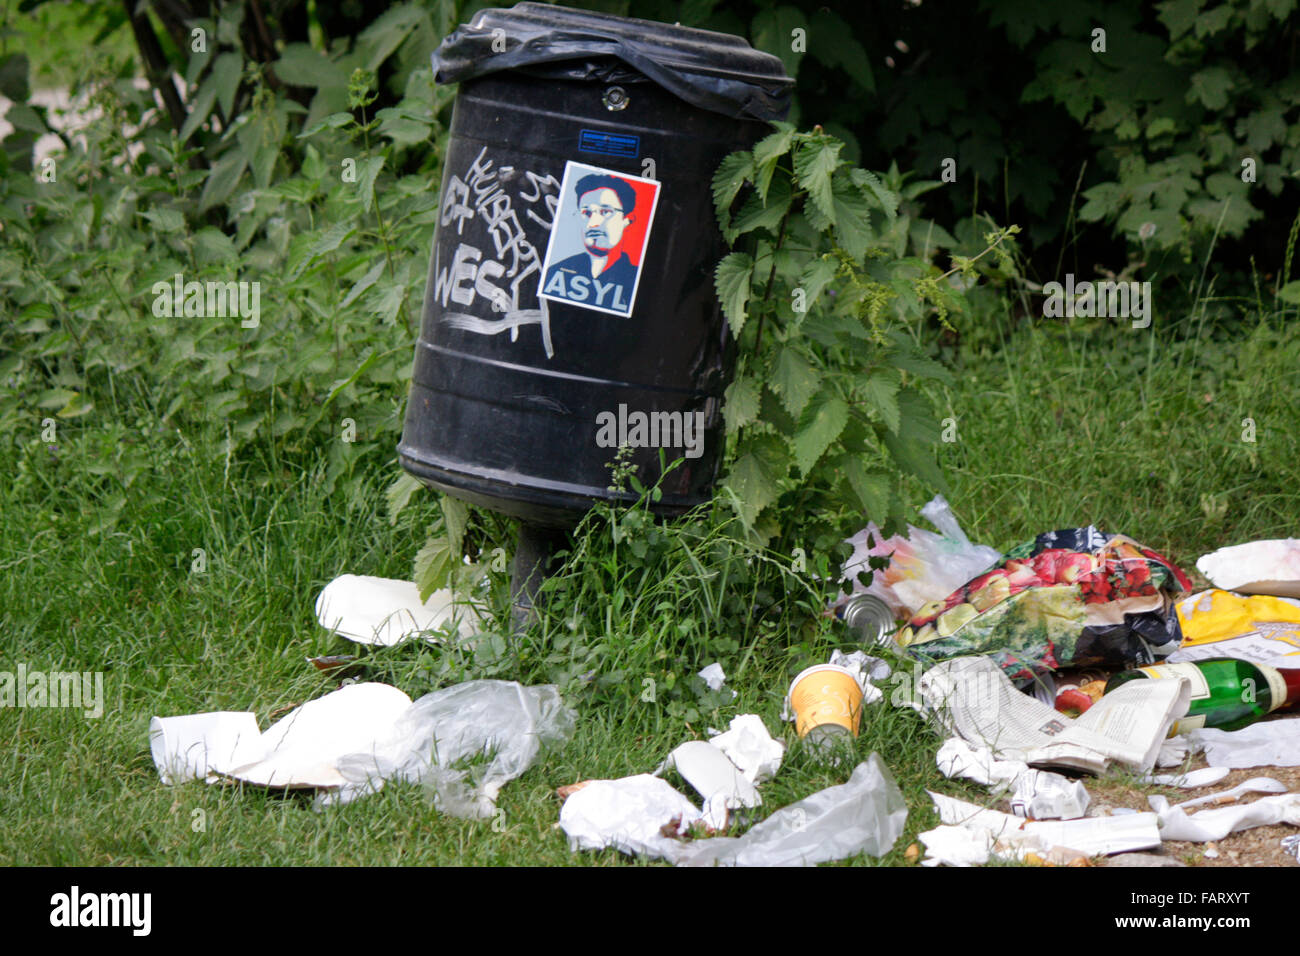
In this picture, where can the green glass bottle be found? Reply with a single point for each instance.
(1227, 692)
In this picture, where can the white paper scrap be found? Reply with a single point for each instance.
(385, 611)
(196, 746)
(957, 758)
(1269, 743)
(302, 748)
(1091, 836)
(750, 747)
(628, 814)
(707, 769)
(1205, 825)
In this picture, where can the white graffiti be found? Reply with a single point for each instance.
(504, 279)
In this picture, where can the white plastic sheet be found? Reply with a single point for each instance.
(864, 815)
(1270, 743)
(1204, 825)
(502, 722)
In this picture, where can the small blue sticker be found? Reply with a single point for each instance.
(611, 144)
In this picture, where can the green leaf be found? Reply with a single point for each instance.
(832, 41)
(434, 565)
(759, 214)
(732, 279)
(920, 366)
(870, 183)
(333, 121)
(165, 220)
(398, 494)
(222, 179)
(767, 151)
(794, 380)
(741, 403)
(753, 486)
(912, 448)
(226, 72)
(327, 241)
(364, 283)
(55, 398)
(872, 488)
(820, 426)
(302, 65)
(367, 170)
(814, 162)
(881, 392)
(773, 32)
(1210, 86)
(815, 277)
(78, 405)
(1159, 126)
(852, 217)
(200, 108)
(731, 175)
(213, 245)
(455, 515)
(1290, 293)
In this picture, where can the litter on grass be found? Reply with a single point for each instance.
(1257, 567)
(972, 698)
(1075, 597)
(1177, 824)
(864, 815)
(1291, 845)
(751, 748)
(923, 567)
(1205, 777)
(715, 778)
(299, 751)
(1034, 793)
(349, 742)
(972, 835)
(1269, 743)
(385, 612)
(1261, 629)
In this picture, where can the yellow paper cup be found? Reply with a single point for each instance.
(826, 694)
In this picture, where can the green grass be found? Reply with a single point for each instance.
(1057, 427)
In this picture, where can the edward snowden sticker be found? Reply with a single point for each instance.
(598, 239)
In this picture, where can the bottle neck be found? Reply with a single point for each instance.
(1292, 677)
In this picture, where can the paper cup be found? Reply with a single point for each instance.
(192, 746)
(826, 694)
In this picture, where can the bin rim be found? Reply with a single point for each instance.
(713, 71)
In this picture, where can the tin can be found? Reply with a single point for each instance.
(869, 617)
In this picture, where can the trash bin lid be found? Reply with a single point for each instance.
(713, 71)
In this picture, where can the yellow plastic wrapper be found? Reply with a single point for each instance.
(1256, 628)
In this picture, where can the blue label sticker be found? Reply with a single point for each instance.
(611, 144)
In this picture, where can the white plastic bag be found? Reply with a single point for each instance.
(865, 815)
(924, 566)
(502, 722)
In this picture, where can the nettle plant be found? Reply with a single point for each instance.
(829, 410)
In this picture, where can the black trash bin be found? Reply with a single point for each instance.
(520, 395)
(570, 306)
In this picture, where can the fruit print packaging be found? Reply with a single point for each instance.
(1071, 598)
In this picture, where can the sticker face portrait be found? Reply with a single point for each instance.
(598, 239)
